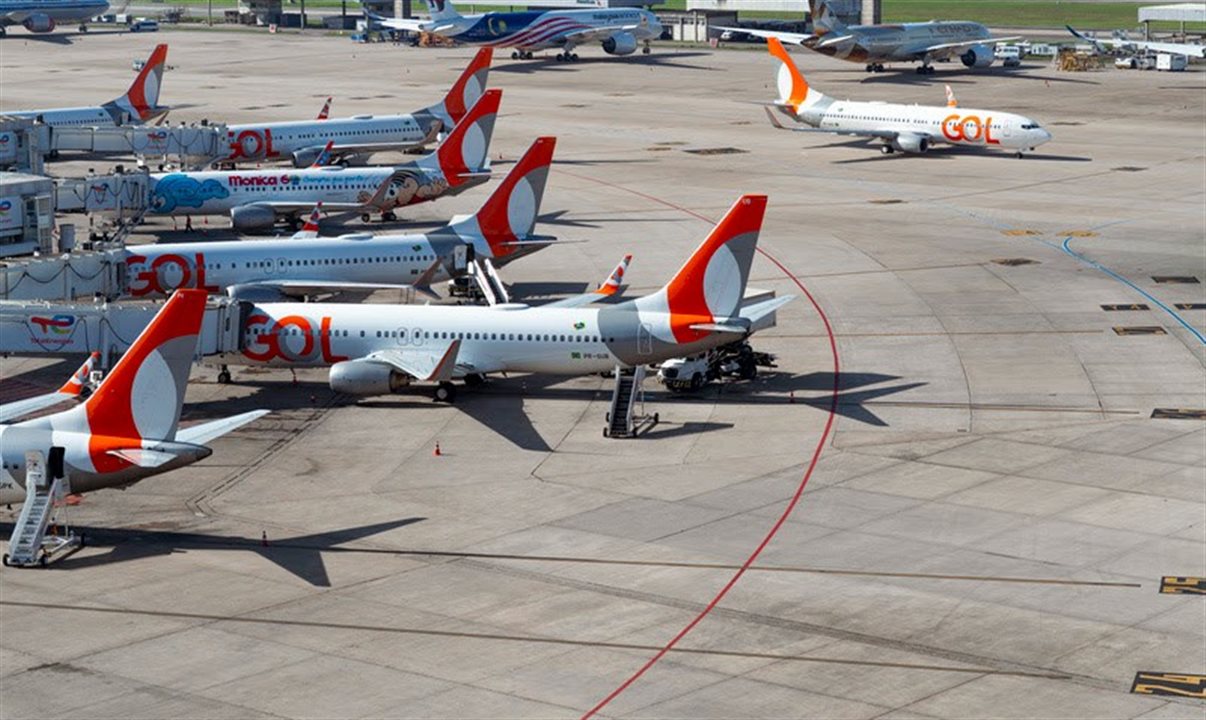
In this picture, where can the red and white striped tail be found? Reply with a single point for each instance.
(466, 149)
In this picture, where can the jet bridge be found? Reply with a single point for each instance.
(122, 195)
(32, 328)
(184, 145)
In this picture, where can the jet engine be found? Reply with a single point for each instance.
(252, 217)
(977, 56)
(912, 143)
(620, 44)
(39, 23)
(364, 378)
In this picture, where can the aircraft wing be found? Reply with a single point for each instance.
(410, 24)
(1171, 48)
(20, 408)
(430, 363)
(205, 432)
(301, 287)
(953, 46)
(789, 37)
(600, 33)
(285, 208)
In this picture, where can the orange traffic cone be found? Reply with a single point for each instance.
(437, 452)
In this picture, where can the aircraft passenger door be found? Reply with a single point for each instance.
(460, 257)
(645, 339)
(281, 266)
(1007, 128)
(417, 337)
(402, 339)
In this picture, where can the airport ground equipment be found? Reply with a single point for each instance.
(738, 360)
(182, 145)
(628, 394)
(45, 488)
(20, 145)
(26, 213)
(33, 328)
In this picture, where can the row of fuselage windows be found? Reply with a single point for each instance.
(914, 121)
(328, 136)
(438, 335)
(333, 184)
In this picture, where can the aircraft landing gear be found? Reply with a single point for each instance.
(887, 149)
(521, 55)
(646, 50)
(925, 69)
(567, 57)
(445, 392)
(366, 218)
(875, 68)
(224, 376)
(1019, 155)
(83, 27)
(474, 380)
(388, 216)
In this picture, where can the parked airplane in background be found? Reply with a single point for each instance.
(377, 349)
(909, 128)
(874, 45)
(127, 429)
(360, 135)
(255, 199)
(139, 105)
(77, 387)
(1121, 42)
(618, 30)
(306, 264)
(43, 16)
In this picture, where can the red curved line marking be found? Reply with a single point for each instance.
(795, 500)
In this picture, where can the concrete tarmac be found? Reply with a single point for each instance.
(984, 534)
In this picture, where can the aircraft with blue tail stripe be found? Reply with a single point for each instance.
(620, 31)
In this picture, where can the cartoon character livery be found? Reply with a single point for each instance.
(127, 429)
(140, 104)
(257, 199)
(77, 387)
(619, 31)
(908, 128)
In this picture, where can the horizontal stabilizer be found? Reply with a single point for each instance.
(732, 327)
(205, 432)
(142, 457)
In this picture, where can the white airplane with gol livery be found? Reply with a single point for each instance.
(77, 387)
(127, 429)
(377, 349)
(256, 199)
(305, 264)
(355, 137)
(138, 106)
(908, 128)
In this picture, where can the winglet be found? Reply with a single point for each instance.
(326, 110)
(323, 157)
(76, 383)
(310, 228)
(950, 97)
(443, 369)
(615, 282)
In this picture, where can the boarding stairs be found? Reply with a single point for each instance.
(28, 546)
(628, 394)
(488, 281)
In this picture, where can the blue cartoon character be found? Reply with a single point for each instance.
(180, 190)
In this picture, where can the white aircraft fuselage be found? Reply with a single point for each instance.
(951, 125)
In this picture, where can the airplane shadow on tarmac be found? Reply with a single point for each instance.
(955, 76)
(549, 63)
(851, 402)
(951, 153)
(300, 555)
(61, 38)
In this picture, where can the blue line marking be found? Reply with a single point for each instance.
(1066, 247)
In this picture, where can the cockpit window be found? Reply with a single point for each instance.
(1030, 126)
